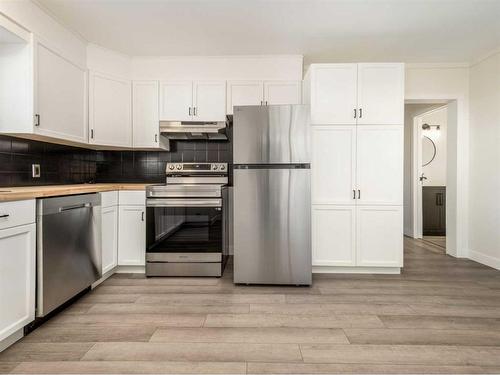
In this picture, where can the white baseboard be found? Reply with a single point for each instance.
(130, 269)
(8, 341)
(378, 270)
(103, 278)
(484, 259)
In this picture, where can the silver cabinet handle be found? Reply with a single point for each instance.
(92, 133)
(156, 138)
(142, 216)
(353, 194)
(355, 113)
(266, 102)
(360, 112)
(75, 207)
(4, 215)
(189, 111)
(37, 120)
(359, 194)
(194, 111)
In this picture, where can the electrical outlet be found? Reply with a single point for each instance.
(35, 170)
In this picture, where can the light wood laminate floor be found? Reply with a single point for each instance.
(441, 315)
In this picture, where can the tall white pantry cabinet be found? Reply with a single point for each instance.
(357, 115)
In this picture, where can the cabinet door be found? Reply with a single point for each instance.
(333, 164)
(379, 236)
(333, 235)
(209, 101)
(145, 114)
(176, 100)
(379, 165)
(282, 92)
(131, 236)
(109, 217)
(60, 98)
(333, 94)
(244, 93)
(110, 112)
(381, 94)
(17, 278)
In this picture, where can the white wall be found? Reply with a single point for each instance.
(484, 220)
(218, 68)
(426, 82)
(411, 110)
(103, 60)
(436, 170)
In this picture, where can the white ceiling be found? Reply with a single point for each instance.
(321, 30)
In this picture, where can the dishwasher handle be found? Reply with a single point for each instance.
(75, 207)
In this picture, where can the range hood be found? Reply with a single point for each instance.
(193, 130)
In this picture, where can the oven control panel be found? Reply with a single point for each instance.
(196, 167)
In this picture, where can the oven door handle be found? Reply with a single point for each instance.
(169, 202)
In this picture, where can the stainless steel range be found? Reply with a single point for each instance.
(187, 221)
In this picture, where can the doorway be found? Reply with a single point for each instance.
(426, 171)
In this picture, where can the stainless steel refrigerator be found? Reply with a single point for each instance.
(272, 195)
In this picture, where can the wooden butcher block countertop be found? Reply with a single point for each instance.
(31, 192)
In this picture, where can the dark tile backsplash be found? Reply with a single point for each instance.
(72, 165)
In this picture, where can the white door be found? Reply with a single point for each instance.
(333, 235)
(145, 114)
(379, 236)
(282, 92)
(333, 164)
(176, 100)
(17, 278)
(334, 94)
(379, 165)
(60, 99)
(209, 101)
(131, 236)
(109, 217)
(110, 113)
(244, 93)
(381, 94)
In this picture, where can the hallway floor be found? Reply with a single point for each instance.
(441, 315)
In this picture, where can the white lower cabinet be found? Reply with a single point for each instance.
(379, 238)
(109, 217)
(362, 236)
(132, 235)
(334, 235)
(17, 278)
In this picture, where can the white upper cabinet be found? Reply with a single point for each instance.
(381, 94)
(110, 111)
(192, 101)
(42, 92)
(60, 100)
(176, 100)
(209, 101)
(333, 93)
(263, 93)
(363, 94)
(244, 93)
(379, 165)
(145, 116)
(282, 92)
(333, 164)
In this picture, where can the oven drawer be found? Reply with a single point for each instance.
(183, 269)
(184, 257)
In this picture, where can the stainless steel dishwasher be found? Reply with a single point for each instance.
(68, 248)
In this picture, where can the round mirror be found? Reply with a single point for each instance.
(428, 151)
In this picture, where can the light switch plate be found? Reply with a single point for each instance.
(35, 170)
